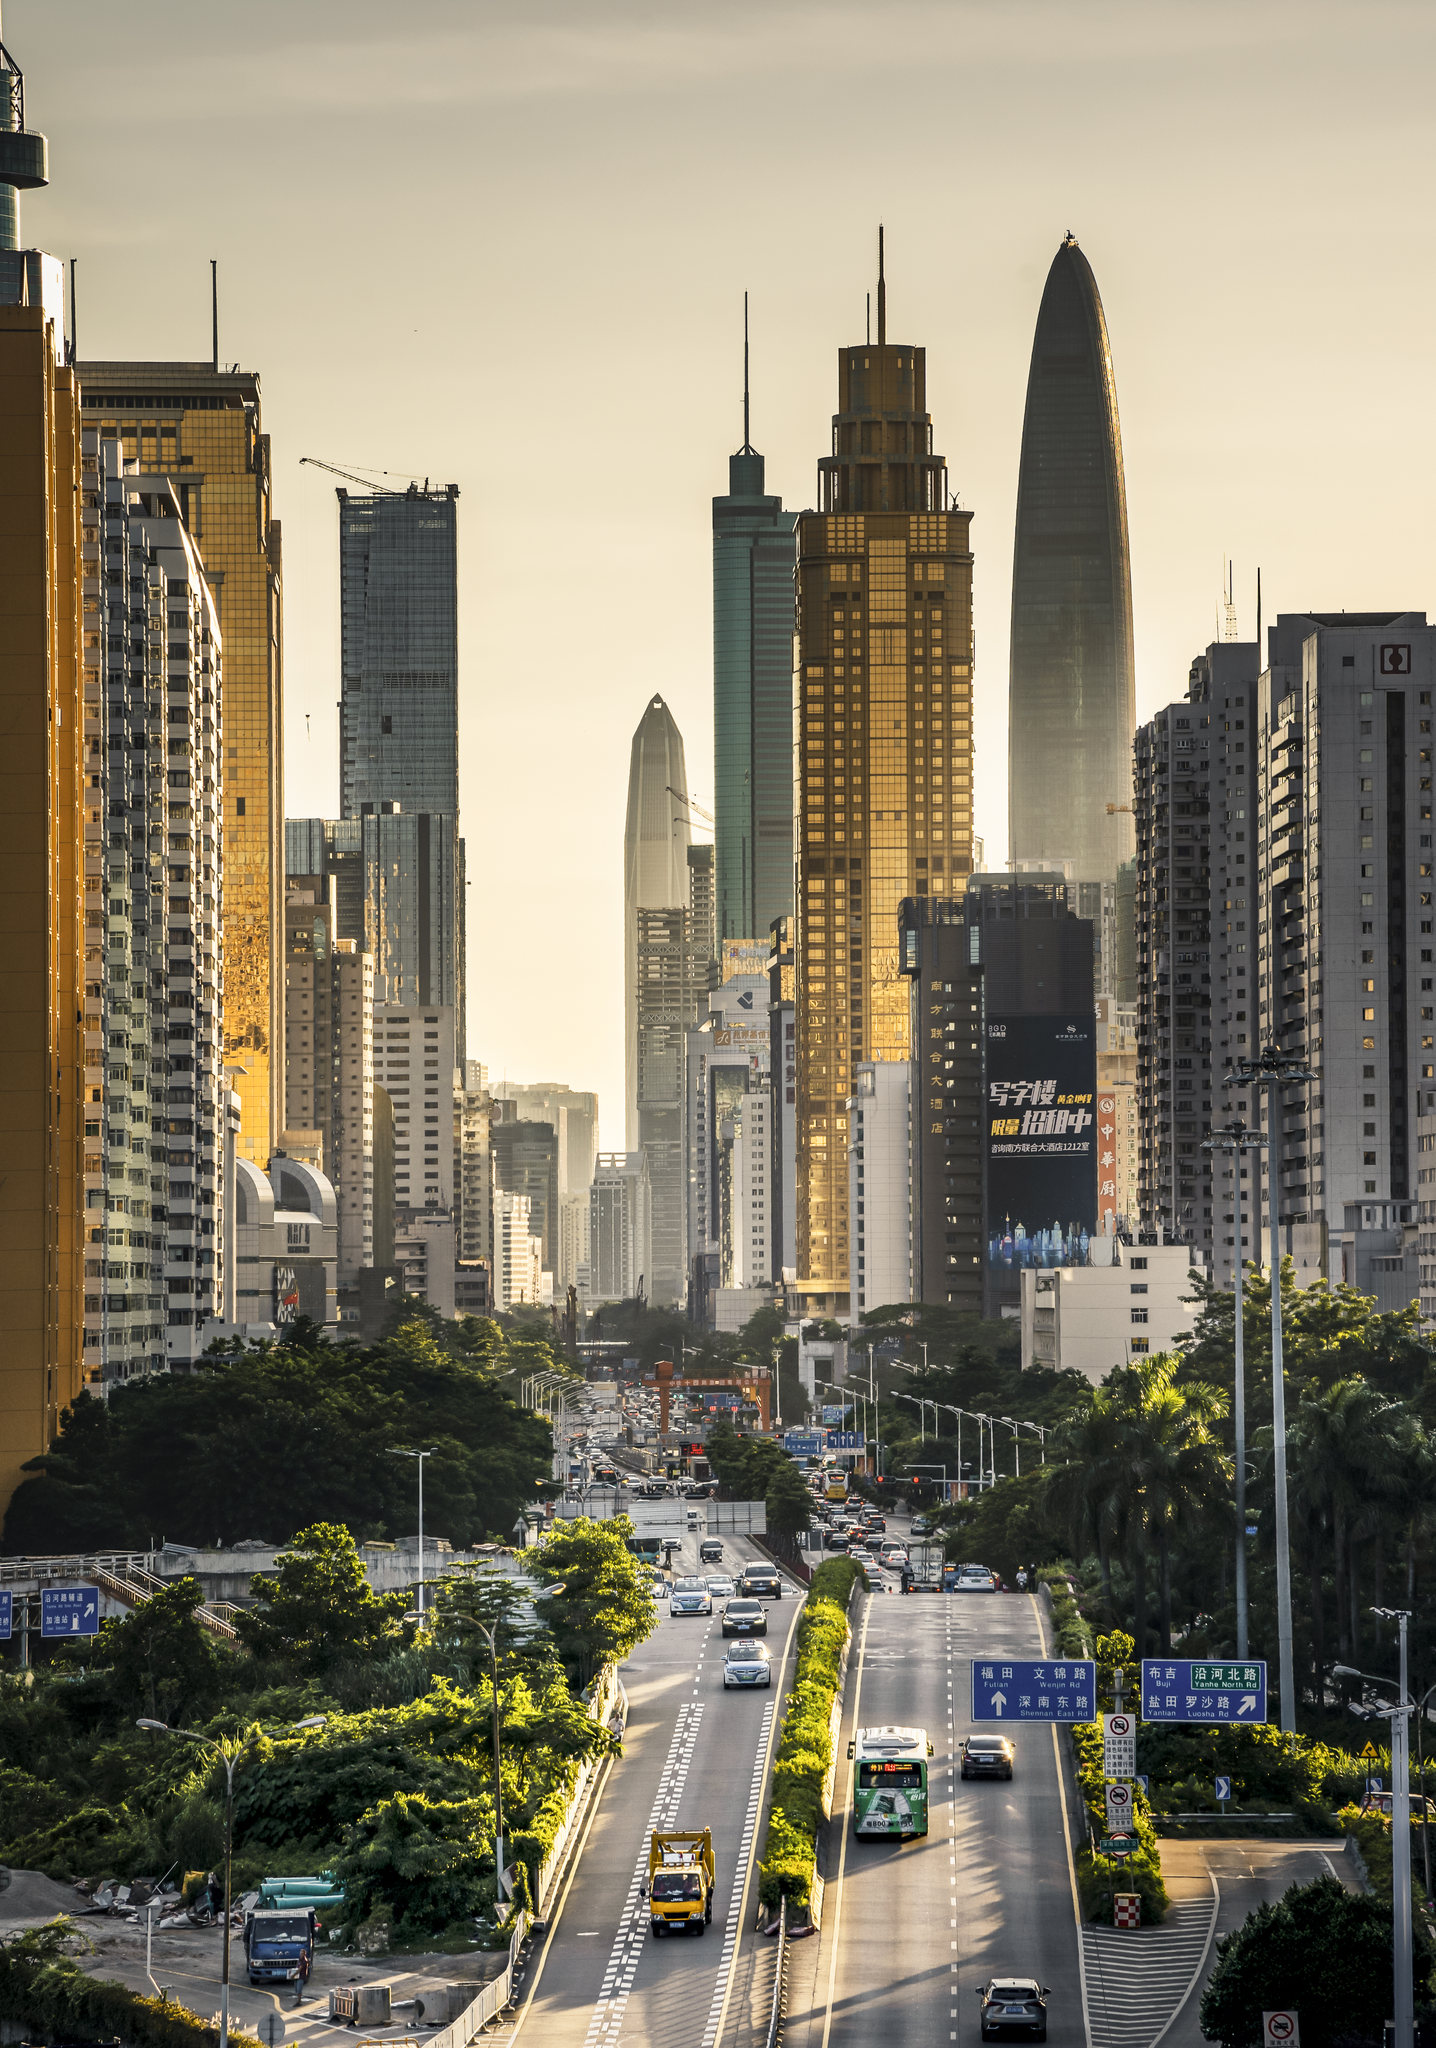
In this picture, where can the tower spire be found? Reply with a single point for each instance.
(882, 293)
(747, 434)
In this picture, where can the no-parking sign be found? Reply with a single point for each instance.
(1119, 1806)
(1280, 2030)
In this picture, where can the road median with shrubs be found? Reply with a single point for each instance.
(803, 1765)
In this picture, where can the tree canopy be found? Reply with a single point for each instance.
(278, 1438)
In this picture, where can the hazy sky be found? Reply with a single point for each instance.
(505, 245)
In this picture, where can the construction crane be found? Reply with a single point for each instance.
(367, 482)
(690, 803)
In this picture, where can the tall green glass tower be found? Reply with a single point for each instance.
(753, 622)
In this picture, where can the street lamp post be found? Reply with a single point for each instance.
(1272, 1072)
(229, 1752)
(420, 1455)
(1235, 1138)
(1402, 2002)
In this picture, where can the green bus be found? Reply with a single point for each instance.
(890, 1781)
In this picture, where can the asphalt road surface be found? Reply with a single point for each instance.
(694, 1756)
(912, 1930)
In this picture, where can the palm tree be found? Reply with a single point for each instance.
(1172, 1468)
(1087, 1481)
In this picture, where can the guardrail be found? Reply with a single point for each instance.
(602, 1700)
(126, 1575)
(491, 2000)
(778, 2010)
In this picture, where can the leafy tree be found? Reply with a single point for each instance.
(789, 1506)
(276, 1439)
(1320, 1949)
(605, 1609)
(319, 1607)
(161, 1661)
(415, 1862)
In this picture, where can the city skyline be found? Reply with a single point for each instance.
(1219, 459)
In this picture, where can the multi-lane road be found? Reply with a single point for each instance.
(694, 1756)
(910, 1931)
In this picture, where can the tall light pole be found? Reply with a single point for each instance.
(1272, 1072)
(1235, 1138)
(229, 1752)
(420, 1455)
(1402, 2001)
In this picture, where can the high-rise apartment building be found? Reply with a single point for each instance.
(753, 619)
(396, 878)
(47, 801)
(884, 756)
(199, 426)
(473, 1163)
(783, 1070)
(1196, 899)
(573, 1112)
(1118, 1126)
(619, 1250)
(329, 1060)
(525, 1162)
(414, 1060)
(518, 1267)
(1072, 694)
(399, 735)
(727, 1068)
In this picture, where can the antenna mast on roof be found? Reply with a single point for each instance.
(882, 293)
(747, 434)
(1230, 629)
(214, 311)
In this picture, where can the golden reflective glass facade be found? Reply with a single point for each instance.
(201, 427)
(43, 811)
(883, 714)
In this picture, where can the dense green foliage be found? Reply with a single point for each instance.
(1321, 1951)
(43, 1988)
(290, 1434)
(805, 1746)
(606, 1608)
(394, 1791)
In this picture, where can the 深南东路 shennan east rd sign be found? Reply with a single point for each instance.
(1185, 1689)
(1055, 1689)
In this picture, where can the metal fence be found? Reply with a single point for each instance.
(779, 2009)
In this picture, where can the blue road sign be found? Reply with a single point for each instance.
(845, 1440)
(1011, 1689)
(1375, 1785)
(1179, 1689)
(833, 1418)
(7, 1606)
(69, 1610)
(1224, 1788)
(803, 1443)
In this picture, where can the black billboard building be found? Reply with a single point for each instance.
(1004, 1086)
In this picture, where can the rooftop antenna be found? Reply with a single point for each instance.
(870, 319)
(747, 435)
(214, 311)
(1259, 659)
(1230, 629)
(74, 330)
(882, 293)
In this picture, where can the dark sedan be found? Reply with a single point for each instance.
(745, 1618)
(1014, 2006)
(987, 1756)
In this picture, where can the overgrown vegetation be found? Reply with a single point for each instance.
(394, 1791)
(44, 1988)
(291, 1434)
(1099, 1877)
(805, 1745)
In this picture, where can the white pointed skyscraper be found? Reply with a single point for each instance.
(667, 967)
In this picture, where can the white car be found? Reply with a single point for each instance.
(894, 1555)
(747, 1663)
(974, 1579)
(690, 1596)
(721, 1588)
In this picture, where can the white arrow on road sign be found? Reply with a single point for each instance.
(1280, 2030)
(1249, 1703)
(1224, 1788)
(999, 1700)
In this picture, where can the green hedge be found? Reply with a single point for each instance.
(1072, 1637)
(47, 1992)
(1097, 1876)
(805, 1750)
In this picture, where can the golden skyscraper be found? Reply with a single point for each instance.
(44, 808)
(884, 719)
(200, 425)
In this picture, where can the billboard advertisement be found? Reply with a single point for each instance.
(1041, 1140)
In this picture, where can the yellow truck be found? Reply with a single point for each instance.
(680, 1881)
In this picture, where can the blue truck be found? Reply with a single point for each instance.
(279, 1943)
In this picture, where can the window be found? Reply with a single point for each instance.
(1139, 1287)
(1140, 1265)
(239, 807)
(1139, 1315)
(1139, 1344)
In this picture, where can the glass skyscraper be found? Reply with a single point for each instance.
(1072, 693)
(753, 614)
(399, 739)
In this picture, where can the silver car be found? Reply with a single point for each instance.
(690, 1596)
(747, 1663)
